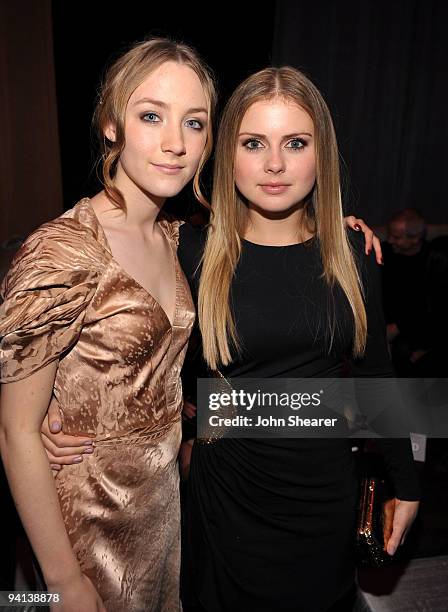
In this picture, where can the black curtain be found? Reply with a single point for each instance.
(382, 67)
(89, 35)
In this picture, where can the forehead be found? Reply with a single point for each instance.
(172, 83)
(397, 227)
(276, 114)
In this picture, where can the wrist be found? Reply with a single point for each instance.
(58, 577)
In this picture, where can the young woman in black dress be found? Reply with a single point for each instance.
(281, 293)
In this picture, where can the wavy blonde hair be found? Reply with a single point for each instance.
(121, 79)
(322, 212)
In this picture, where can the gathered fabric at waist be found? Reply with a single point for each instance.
(139, 435)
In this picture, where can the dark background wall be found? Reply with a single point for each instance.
(381, 66)
(233, 43)
(30, 181)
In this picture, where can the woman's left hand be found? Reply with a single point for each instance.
(404, 513)
(372, 241)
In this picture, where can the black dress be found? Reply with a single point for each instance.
(272, 521)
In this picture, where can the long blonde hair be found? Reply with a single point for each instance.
(322, 212)
(121, 80)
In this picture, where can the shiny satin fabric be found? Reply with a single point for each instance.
(118, 380)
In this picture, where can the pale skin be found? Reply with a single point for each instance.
(165, 133)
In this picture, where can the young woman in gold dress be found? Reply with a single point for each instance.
(97, 314)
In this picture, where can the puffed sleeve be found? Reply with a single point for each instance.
(45, 295)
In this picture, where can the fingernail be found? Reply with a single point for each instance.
(55, 467)
(77, 459)
(88, 443)
(55, 426)
(357, 227)
(88, 450)
(369, 251)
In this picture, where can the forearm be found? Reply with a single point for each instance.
(33, 488)
(401, 467)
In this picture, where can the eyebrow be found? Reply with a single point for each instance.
(199, 109)
(295, 134)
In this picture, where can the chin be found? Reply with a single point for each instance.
(166, 190)
(275, 207)
(168, 193)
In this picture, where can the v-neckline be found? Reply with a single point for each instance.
(106, 245)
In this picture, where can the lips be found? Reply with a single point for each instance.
(274, 188)
(168, 168)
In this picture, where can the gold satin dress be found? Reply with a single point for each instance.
(118, 379)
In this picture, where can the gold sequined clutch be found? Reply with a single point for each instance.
(374, 523)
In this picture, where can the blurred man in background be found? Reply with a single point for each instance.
(404, 288)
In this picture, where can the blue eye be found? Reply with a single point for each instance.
(151, 117)
(296, 143)
(194, 123)
(252, 144)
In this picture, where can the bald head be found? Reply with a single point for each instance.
(405, 231)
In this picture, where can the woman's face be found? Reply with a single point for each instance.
(165, 131)
(275, 162)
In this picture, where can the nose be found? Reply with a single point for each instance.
(173, 140)
(274, 163)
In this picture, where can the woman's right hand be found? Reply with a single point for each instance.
(76, 594)
(62, 449)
